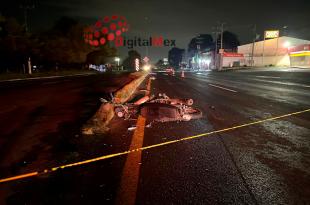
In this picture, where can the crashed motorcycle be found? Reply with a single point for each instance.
(159, 108)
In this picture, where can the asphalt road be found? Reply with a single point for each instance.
(37, 115)
(264, 163)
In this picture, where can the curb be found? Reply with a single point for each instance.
(45, 77)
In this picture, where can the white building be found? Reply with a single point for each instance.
(270, 52)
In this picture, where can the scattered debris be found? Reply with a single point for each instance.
(142, 100)
(103, 100)
(160, 108)
(131, 128)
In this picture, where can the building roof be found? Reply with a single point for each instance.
(276, 46)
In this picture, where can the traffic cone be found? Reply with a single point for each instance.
(182, 74)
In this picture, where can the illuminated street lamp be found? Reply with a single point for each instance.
(287, 44)
(117, 59)
(146, 67)
(137, 64)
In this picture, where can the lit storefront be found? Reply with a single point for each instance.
(272, 52)
(300, 56)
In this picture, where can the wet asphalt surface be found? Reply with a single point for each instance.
(39, 119)
(267, 163)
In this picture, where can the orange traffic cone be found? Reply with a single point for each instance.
(182, 74)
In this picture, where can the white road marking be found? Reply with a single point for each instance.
(283, 83)
(222, 88)
(47, 77)
(262, 76)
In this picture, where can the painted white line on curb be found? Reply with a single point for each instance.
(285, 83)
(222, 88)
(47, 77)
(262, 76)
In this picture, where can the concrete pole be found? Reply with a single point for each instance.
(264, 48)
(277, 51)
(221, 54)
(222, 31)
(215, 52)
(253, 46)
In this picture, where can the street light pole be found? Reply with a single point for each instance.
(221, 54)
(215, 52)
(253, 46)
(222, 31)
(117, 59)
(146, 27)
(264, 48)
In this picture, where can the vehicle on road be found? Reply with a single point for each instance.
(170, 71)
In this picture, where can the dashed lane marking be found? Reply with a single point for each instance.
(223, 88)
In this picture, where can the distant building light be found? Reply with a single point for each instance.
(147, 67)
(272, 34)
(287, 44)
(137, 64)
(300, 54)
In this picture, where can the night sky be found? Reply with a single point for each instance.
(179, 20)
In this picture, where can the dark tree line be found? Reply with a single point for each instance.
(129, 62)
(175, 56)
(62, 45)
(205, 42)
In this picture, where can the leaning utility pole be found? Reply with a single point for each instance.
(222, 31)
(253, 45)
(221, 53)
(216, 33)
